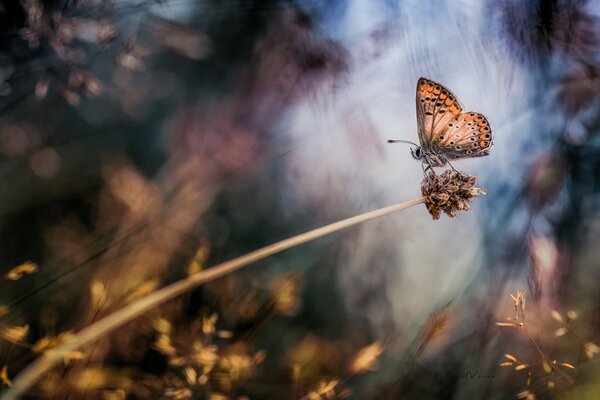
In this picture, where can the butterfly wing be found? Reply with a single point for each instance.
(436, 106)
(465, 135)
(444, 129)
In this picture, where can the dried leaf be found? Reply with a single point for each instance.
(163, 345)
(98, 293)
(551, 385)
(528, 378)
(556, 315)
(526, 395)
(41, 88)
(224, 334)
(507, 324)
(17, 272)
(285, 294)
(140, 290)
(506, 364)
(521, 367)
(572, 315)
(191, 376)
(547, 367)
(14, 334)
(4, 376)
(161, 325)
(591, 349)
(560, 332)
(366, 358)
(567, 365)
(118, 394)
(511, 358)
(73, 356)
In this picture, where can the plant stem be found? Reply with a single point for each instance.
(35, 370)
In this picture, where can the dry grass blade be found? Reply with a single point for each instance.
(34, 371)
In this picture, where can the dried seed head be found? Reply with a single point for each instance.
(449, 192)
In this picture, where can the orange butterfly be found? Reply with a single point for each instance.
(445, 132)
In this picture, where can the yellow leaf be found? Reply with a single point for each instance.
(556, 315)
(567, 365)
(506, 364)
(506, 324)
(528, 378)
(572, 315)
(17, 272)
(520, 367)
(14, 334)
(4, 376)
(511, 358)
(551, 385)
(560, 332)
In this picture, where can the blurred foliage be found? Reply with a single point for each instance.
(143, 141)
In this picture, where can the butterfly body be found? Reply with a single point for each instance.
(447, 133)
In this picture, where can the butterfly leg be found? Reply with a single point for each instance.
(452, 166)
(425, 169)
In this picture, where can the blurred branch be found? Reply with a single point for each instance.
(34, 371)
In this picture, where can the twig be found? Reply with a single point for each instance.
(35, 370)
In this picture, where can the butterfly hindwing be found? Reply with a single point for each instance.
(467, 135)
(436, 106)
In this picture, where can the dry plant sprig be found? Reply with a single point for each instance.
(450, 192)
(549, 365)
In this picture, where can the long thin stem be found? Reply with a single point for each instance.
(35, 370)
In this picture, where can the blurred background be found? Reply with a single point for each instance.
(142, 141)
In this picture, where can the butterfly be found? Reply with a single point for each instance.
(445, 132)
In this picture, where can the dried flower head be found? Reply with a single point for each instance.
(449, 192)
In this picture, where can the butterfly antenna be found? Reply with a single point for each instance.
(402, 141)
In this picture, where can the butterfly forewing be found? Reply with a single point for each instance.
(436, 105)
(444, 129)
